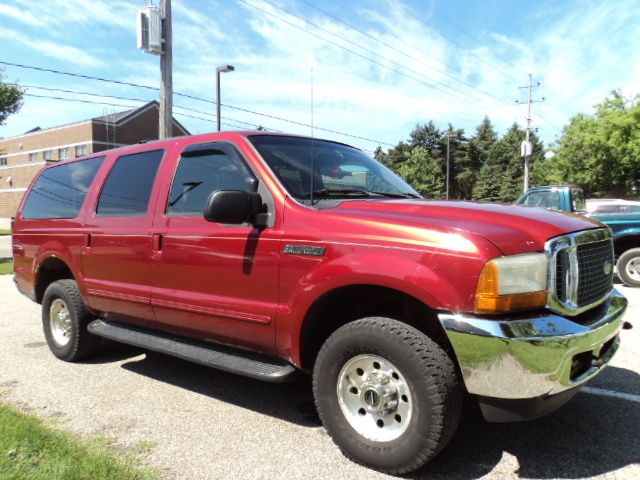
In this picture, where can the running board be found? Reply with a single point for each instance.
(248, 364)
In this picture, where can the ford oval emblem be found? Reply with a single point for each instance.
(607, 267)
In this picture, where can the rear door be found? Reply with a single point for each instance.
(214, 281)
(117, 246)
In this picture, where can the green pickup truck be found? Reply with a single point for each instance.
(625, 226)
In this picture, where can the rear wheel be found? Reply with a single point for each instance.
(65, 319)
(629, 267)
(387, 394)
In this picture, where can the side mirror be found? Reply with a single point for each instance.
(233, 206)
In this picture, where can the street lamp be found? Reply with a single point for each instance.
(224, 68)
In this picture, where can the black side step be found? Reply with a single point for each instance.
(260, 367)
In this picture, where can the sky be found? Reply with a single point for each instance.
(362, 72)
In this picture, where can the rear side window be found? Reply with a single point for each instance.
(204, 170)
(60, 191)
(128, 187)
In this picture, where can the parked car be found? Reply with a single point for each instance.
(621, 216)
(273, 255)
(612, 205)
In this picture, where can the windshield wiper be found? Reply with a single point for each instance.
(395, 194)
(326, 192)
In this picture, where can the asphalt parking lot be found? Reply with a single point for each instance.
(202, 423)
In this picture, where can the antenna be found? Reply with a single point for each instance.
(312, 141)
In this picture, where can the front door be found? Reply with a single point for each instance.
(214, 281)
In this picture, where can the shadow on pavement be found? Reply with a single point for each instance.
(591, 435)
(292, 401)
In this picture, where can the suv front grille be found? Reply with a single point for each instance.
(581, 270)
(593, 281)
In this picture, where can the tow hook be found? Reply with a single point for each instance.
(627, 326)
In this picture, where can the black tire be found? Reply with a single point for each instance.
(425, 369)
(76, 341)
(629, 267)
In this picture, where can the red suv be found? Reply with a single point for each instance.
(269, 255)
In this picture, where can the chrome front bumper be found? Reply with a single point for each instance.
(536, 357)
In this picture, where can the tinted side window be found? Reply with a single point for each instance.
(204, 171)
(60, 191)
(128, 187)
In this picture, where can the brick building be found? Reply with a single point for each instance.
(22, 157)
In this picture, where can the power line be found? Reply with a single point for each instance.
(193, 97)
(460, 94)
(395, 49)
(253, 125)
(52, 97)
(80, 92)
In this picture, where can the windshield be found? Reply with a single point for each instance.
(340, 171)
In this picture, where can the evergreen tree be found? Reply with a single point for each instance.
(482, 142)
(502, 175)
(428, 137)
(396, 156)
(423, 173)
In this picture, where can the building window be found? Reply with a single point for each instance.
(81, 150)
(33, 156)
(3, 160)
(63, 153)
(47, 155)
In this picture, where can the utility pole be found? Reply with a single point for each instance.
(448, 160)
(526, 149)
(448, 146)
(166, 80)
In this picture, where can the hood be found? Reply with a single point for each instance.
(513, 229)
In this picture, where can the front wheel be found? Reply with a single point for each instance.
(387, 394)
(629, 267)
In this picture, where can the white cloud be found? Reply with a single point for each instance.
(21, 15)
(52, 49)
(80, 14)
(579, 52)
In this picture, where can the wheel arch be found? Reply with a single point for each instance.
(348, 303)
(48, 269)
(625, 242)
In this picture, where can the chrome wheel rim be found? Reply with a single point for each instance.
(633, 269)
(374, 398)
(60, 322)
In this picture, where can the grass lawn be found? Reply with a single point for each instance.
(6, 267)
(5, 232)
(31, 450)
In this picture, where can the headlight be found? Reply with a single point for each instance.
(517, 282)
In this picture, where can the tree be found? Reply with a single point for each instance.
(10, 98)
(481, 143)
(501, 177)
(601, 153)
(428, 137)
(478, 153)
(461, 174)
(395, 156)
(423, 173)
